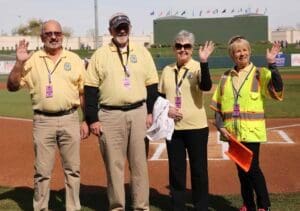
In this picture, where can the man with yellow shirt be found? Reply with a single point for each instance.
(122, 80)
(183, 83)
(55, 78)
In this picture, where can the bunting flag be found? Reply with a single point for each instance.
(215, 11)
(210, 12)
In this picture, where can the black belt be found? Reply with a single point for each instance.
(123, 107)
(59, 113)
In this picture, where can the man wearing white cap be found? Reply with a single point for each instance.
(122, 81)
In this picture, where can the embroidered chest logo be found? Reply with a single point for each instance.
(189, 75)
(67, 66)
(133, 59)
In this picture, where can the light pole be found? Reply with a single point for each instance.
(96, 24)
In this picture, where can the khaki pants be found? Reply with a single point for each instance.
(48, 134)
(123, 136)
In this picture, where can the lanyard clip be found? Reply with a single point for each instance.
(127, 72)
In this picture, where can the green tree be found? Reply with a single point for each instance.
(32, 28)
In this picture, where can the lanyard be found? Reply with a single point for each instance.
(126, 71)
(236, 93)
(51, 72)
(178, 85)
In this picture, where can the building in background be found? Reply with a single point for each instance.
(288, 34)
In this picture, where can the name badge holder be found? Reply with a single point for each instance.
(178, 98)
(49, 87)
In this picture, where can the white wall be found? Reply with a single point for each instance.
(74, 43)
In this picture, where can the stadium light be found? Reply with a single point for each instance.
(96, 24)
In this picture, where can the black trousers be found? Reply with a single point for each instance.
(254, 181)
(194, 142)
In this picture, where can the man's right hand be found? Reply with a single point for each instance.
(96, 128)
(22, 52)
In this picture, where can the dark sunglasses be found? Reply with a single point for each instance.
(122, 26)
(50, 34)
(236, 38)
(186, 46)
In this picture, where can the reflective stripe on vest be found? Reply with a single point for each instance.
(245, 116)
(256, 81)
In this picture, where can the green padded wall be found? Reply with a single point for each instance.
(254, 28)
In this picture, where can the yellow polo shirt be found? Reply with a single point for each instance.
(239, 77)
(105, 71)
(192, 106)
(67, 81)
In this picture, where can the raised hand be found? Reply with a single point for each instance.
(22, 51)
(206, 50)
(271, 54)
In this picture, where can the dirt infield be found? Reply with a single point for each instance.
(279, 159)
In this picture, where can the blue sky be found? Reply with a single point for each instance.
(79, 14)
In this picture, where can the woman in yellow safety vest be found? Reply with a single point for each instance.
(238, 103)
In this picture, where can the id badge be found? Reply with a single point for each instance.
(178, 102)
(126, 82)
(49, 91)
(236, 110)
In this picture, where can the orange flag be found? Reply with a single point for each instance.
(240, 154)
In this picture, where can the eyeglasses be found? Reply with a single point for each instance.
(238, 37)
(51, 34)
(186, 46)
(122, 26)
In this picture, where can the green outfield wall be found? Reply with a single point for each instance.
(253, 27)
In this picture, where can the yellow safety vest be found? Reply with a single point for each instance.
(249, 124)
